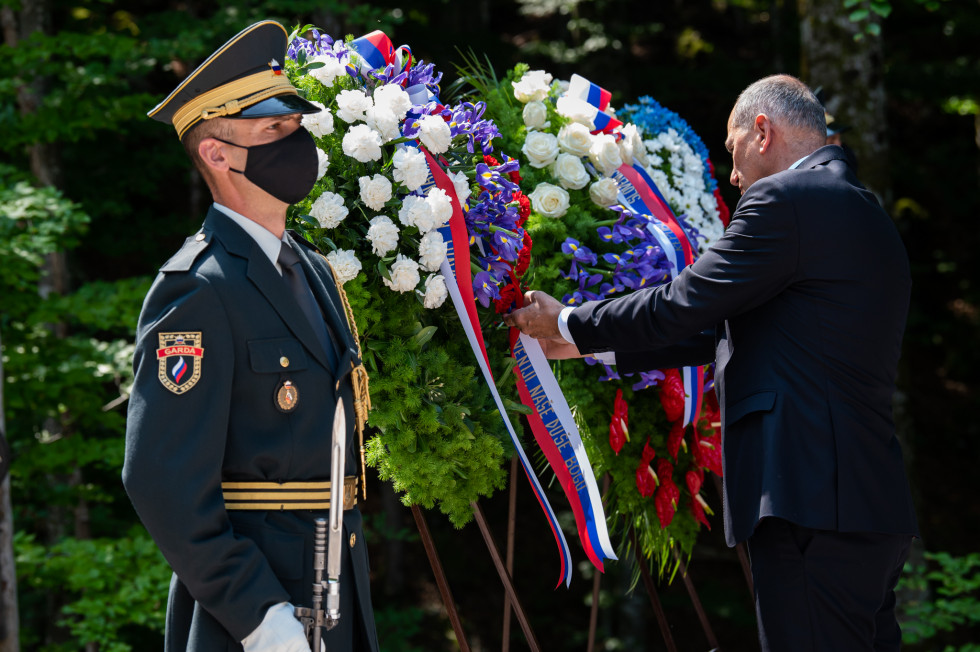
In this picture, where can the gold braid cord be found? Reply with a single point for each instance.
(359, 379)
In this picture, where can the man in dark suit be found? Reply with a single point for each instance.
(801, 305)
(238, 373)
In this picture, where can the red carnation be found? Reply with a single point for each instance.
(491, 161)
(646, 479)
(672, 394)
(665, 501)
(515, 176)
(523, 208)
(524, 256)
(508, 295)
(675, 438)
(618, 425)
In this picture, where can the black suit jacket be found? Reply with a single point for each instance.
(231, 566)
(807, 295)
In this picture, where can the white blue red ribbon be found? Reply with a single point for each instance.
(376, 51)
(583, 96)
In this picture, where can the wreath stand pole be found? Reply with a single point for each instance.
(505, 578)
(743, 558)
(440, 575)
(658, 609)
(511, 526)
(696, 601)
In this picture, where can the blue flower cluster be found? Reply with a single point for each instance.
(654, 119)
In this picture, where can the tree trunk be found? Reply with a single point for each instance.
(9, 615)
(851, 72)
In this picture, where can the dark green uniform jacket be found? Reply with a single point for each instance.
(220, 334)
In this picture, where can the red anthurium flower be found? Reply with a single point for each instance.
(646, 479)
(675, 438)
(698, 508)
(694, 478)
(672, 394)
(709, 453)
(665, 501)
(619, 423)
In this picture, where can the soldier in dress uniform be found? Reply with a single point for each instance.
(244, 347)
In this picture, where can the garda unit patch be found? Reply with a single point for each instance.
(179, 360)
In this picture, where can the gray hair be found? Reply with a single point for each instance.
(785, 100)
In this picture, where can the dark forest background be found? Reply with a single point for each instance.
(94, 196)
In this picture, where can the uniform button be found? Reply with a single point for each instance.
(284, 361)
(338, 385)
(199, 237)
(353, 540)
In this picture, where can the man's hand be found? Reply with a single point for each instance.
(559, 349)
(538, 318)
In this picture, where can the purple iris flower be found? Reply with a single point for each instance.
(485, 288)
(387, 75)
(578, 251)
(573, 299)
(494, 265)
(610, 373)
(648, 379)
(506, 245)
(491, 179)
(424, 73)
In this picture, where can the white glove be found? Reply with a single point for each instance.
(279, 631)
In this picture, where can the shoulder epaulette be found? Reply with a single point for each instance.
(184, 259)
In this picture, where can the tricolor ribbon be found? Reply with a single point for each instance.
(557, 435)
(376, 51)
(639, 193)
(583, 89)
(459, 284)
(583, 96)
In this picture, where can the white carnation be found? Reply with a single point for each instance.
(604, 154)
(435, 291)
(382, 120)
(575, 138)
(462, 185)
(345, 264)
(352, 105)
(435, 134)
(404, 274)
(540, 148)
(331, 69)
(383, 235)
(318, 124)
(577, 110)
(570, 172)
(549, 200)
(322, 163)
(432, 250)
(393, 98)
(414, 209)
(440, 209)
(535, 115)
(329, 210)
(375, 191)
(604, 192)
(362, 143)
(410, 167)
(533, 86)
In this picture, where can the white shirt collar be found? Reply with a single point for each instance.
(792, 167)
(266, 239)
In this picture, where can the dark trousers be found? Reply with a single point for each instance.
(819, 590)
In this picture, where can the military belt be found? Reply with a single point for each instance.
(285, 495)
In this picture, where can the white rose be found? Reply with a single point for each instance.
(331, 69)
(577, 110)
(382, 120)
(631, 144)
(322, 163)
(604, 154)
(329, 210)
(435, 291)
(533, 86)
(432, 250)
(440, 209)
(575, 138)
(410, 167)
(404, 274)
(393, 98)
(414, 209)
(549, 200)
(540, 148)
(462, 185)
(570, 172)
(435, 134)
(345, 265)
(535, 115)
(604, 192)
(319, 124)
(383, 235)
(363, 143)
(352, 105)
(375, 191)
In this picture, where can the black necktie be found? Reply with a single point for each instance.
(295, 278)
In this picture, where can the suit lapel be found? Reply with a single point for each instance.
(266, 279)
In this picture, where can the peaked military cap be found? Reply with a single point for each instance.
(833, 127)
(241, 79)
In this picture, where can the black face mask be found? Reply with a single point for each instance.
(285, 168)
